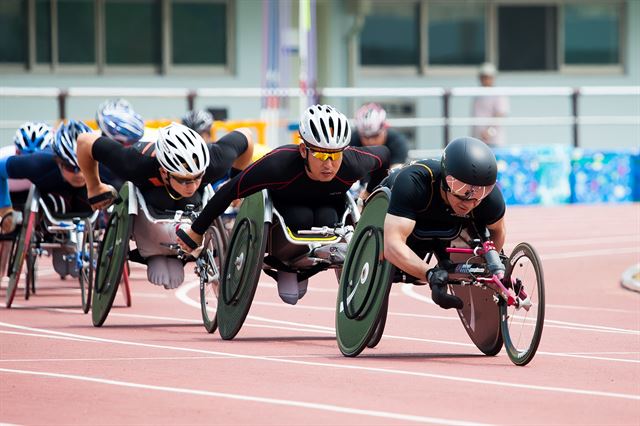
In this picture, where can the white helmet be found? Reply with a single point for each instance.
(181, 150)
(33, 137)
(325, 127)
(370, 119)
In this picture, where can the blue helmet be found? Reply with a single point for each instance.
(33, 137)
(65, 143)
(118, 121)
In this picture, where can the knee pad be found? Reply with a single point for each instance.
(157, 272)
(288, 287)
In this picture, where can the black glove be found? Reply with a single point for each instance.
(438, 279)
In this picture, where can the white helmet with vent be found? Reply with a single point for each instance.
(324, 127)
(370, 119)
(181, 150)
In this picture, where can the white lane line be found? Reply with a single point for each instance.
(587, 253)
(485, 382)
(584, 241)
(46, 336)
(157, 358)
(239, 397)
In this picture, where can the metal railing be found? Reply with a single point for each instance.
(445, 121)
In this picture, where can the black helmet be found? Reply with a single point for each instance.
(470, 161)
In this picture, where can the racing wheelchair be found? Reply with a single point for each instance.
(71, 239)
(504, 297)
(114, 251)
(261, 241)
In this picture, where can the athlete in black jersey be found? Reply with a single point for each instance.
(373, 130)
(436, 198)
(307, 182)
(170, 174)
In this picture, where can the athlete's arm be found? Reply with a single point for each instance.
(90, 170)
(396, 231)
(498, 232)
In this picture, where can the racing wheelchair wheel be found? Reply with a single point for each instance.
(22, 245)
(242, 265)
(88, 258)
(112, 256)
(365, 281)
(522, 326)
(214, 249)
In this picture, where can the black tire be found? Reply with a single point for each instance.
(32, 270)
(522, 328)
(381, 323)
(85, 274)
(111, 260)
(19, 253)
(210, 275)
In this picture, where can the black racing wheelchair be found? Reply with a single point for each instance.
(261, 241)
(504, 298)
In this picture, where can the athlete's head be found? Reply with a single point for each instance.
(32, 137)
(118, 121)
(183, 156)
(371, 124)
(64, 146)
(200, 121)
(469, 173)
(325, 133)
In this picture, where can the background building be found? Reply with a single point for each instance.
(400, 45)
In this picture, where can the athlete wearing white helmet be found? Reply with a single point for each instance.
(307, 183)
(171, 173)
(372, 130)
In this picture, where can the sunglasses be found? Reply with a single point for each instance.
(324, 156)
(465, 192)
(185, 182)
(69, 168)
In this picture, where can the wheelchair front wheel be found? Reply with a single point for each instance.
(88, 259)
(522, 326)
(209, 272)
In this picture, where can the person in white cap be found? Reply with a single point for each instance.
(490, 106)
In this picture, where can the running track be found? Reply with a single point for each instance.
(154, 363)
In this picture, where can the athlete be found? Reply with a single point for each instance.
(307, 182)
(118, 121)
(439, 197)
(200, 121)
(57, 177)
(373, 129)
(171, 173)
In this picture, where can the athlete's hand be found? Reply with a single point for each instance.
(438, 278)
(184, 233)
(101, 196)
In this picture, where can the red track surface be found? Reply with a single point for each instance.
(154, 363)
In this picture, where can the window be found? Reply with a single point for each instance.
(456, 33)
(199, 32)
(76, 32)
(592, 34)
(390, 35)
(13, 33)
(99, 34)
(132, 32)
(43, 31)
(527, 38)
